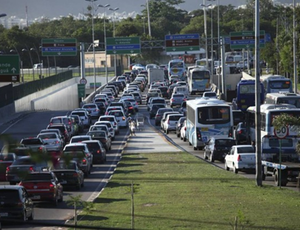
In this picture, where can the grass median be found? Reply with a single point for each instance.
(179, 191)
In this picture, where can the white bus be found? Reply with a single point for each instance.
(206, 117)
(276, 83)
(198, 80)
(270, 144)
(283, 98)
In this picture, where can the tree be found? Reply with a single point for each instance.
(287, 120)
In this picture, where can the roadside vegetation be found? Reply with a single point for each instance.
(179, 191)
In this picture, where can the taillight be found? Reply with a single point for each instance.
(7, 169)
(172, 99)
(123, 118)
(31, 169)
(240, 132)
(51, 186)
(21, 183)
(199, 134)
(130, 107)
(98, 151)
(74, 175)
(40, 149)
(239, 158)
(84, 161)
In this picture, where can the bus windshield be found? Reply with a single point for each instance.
(213, 115)
(200, 75)
(280, 84)
(176, 64)
(291, 101)
(247, 89)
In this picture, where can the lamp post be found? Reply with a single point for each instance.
(40, 63)
(114, 34)
(93, 40)
(295, 48)
(205, 28)
(105, 6)
(211, 40)
(30, 57)
(148, 14)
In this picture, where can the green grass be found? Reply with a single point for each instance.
(179, 191)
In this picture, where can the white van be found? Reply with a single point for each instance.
(38, 65)
(181, 90)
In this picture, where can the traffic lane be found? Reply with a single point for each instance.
(185, 146)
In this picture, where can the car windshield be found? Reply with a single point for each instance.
(40, 176)
(9, 195)
(225, 142)
(63, 165)
(48, 136)
(74, 148)
(245, 150)
(23, 161)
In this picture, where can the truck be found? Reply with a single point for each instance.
(155, 75)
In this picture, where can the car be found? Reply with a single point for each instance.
(101, 105)
(102, 137)
(68, 174)
(98, 151)
(164, 116)
(155, 100)
(79, 123)
(217, 147)
(6, 159)
(93, 109)
(171, 122)
(36, 144)
(81, 154)
(84, 116)
(210, 94)
(159, 114)
(238, 116)
(151, 94)
(241, 158)
(122, 104)
(154, 108)
(15, 203)
(57, 131)
(63, 120)
(240, 133)
(111, 131)
(130, 108)
(23, 166)
(182, 108)
(80, 138)
(112, 120)
(164, 91)
(43, 186)
(133, 102)
(137, 96)
(117, 107)
(177, 99)
(52, 141)
(120, 117)
(179, 125)
(181, 90)
(63, 130)
(103, 99)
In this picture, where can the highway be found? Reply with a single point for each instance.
(30, 125)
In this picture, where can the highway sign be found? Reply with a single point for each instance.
(123, 45)
(182, 42)
(9, 68)
(282, 132)
(246, 39)
(81, 90)
(59, 47)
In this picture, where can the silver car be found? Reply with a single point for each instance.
(52, 140)
(93, 109)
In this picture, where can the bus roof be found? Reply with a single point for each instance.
(273, 107)
(206, 101)
(273, 77)
(282, 94)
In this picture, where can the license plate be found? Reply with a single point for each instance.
(36, 197)
(3, 214)
(63, 182)
(204, 129)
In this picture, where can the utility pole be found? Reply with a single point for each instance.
(295, 49)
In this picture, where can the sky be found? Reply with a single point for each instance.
(57, 8)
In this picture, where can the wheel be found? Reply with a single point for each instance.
(178, 135)
(184, 139)
(61, 199)
(190, 143)
(211, 158)
(226, 167)
(167, 131)
(181, 137)
(235, 170)
(283, 178)
(195, 148)
(204, 156)
(31, 217)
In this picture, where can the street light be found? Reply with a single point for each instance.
(30, 57)
(93, 40)
(211, 40)
(40, 63)
(114, 34)
(205, 28)
(105, 6)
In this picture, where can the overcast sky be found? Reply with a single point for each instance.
(57, 8)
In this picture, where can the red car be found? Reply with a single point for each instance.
(43, 186)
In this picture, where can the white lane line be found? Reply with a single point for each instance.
(11, 126)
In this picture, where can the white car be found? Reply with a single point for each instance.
(171, 122)
(80, 138)
(120, 117)
(112, 120)
(183, 132)
(241, 158)
(52, 140)
(84, 116)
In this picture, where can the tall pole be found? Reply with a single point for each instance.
(205, 30)
(104, 28)
(114, 34)
(257, 99)
(211, 45)
(294, 49)
(218, 28)
(148, 14)
(93, 40)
